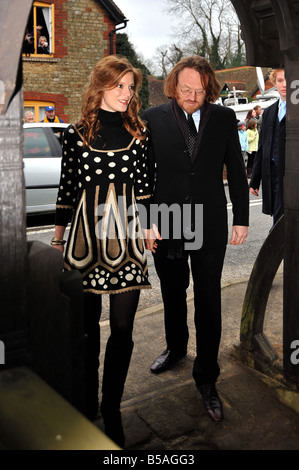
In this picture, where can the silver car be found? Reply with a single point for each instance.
(42, 165)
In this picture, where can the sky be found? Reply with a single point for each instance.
(149, 25)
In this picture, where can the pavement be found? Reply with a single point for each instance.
(164, 412)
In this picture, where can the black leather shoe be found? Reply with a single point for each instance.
(211, 401)
(165, 361)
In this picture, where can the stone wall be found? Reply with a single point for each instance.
(81, 39)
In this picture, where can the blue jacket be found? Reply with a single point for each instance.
(243, 140)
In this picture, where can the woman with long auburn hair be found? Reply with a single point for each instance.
(103, 176)
(106, 75)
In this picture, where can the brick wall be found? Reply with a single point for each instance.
(81, 39)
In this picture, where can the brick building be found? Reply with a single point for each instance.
(78, 33)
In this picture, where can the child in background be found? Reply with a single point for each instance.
(243, 140)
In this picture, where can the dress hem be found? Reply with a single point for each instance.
(61, 206)
(119, 291)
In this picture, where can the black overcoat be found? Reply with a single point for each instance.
(179, 178)
(261, 171)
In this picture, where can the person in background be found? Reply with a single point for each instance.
(28, 44)
(253, 140)
(259, 117)
(250, 115)
(104, 170)
(43, 47)
(50, 115)
(29, 116)
(269, 162)
(243, 141)
(186, 162)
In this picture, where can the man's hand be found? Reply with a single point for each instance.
(239, 235)
(150, 238)
(255, 192)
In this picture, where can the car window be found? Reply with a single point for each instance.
(36, 143)
(58, 134)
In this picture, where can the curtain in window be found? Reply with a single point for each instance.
(47, 13)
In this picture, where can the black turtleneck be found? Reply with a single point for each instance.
(112, 134)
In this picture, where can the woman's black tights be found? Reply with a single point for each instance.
(119, 348)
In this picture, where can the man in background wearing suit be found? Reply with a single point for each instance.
(269, 162)
(191, 141)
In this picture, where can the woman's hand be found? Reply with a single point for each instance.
(59, 248)
(255, 192)
(150, 238)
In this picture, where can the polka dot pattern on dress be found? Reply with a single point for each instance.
(88, 176)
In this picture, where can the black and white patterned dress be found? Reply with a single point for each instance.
(99, 187)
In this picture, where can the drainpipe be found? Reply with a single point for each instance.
(111, 34)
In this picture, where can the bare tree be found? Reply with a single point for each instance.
(211, 28)
(166, 57)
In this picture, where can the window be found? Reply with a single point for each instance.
(36, 143)
(42, 141)
(37, 108)
(39, 35)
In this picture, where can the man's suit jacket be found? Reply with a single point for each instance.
(180, 179)
(261, 171)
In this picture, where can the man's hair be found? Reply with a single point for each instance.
(207, 74)
(273, 75)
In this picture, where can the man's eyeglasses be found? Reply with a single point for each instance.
(187, 91)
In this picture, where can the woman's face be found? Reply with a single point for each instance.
(118, 98)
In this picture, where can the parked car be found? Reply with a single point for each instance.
(42, 164)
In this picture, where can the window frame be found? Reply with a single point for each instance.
(37, 4)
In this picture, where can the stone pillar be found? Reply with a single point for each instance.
(13, 249)
(13, 252)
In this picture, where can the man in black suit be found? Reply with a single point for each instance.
(269, 162)
(187, 172)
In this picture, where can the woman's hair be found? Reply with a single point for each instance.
(249, 114)
(202, 66)
(251, 124)
(106, 75)
(42, 37)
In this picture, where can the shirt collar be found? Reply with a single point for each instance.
(196, 117)
(281, 101)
